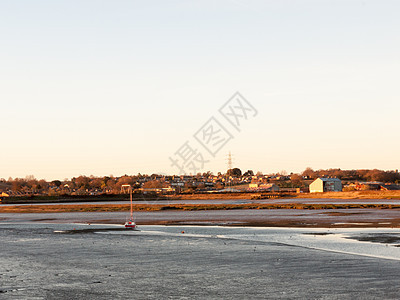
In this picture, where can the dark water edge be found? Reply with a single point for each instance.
(244, 217)
(60, 261)
(378, 238)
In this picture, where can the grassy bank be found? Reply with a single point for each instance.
(119, 197)
(327, 195)
(205, 196)
(187, 207)
(77, 198)
(352, 195)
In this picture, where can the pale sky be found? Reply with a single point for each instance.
(117, 87)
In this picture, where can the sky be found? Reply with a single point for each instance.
(120, 87)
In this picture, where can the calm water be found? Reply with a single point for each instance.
(273, 217)
(70, 261)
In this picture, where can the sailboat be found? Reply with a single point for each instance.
(130, 224)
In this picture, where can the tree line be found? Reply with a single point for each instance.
(354, 175)
(109, 184)
(76, 185)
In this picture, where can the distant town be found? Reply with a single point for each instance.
(229, 182)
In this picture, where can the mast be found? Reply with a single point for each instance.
(130, 192)
(124, 189)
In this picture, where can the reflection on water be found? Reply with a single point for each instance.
(373, 242)
(380, 243)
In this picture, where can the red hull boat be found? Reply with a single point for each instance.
(130, 225)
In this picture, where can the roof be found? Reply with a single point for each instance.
(330, 179)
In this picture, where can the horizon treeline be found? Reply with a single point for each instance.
(111, 184)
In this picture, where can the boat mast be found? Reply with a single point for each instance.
(130, 192)
(123, 190)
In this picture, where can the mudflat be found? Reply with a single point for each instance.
(337, 218)
(69, 261)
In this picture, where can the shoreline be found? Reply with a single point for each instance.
(271, 213)
(352, 195)
(281, 224)
(56, 208)
(339, 218)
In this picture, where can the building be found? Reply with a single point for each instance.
(3, 195)
(321, 185)
(368, 186)
(390, 187)
(267, 187)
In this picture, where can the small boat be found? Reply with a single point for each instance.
(130, 224)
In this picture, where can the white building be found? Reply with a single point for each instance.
(321, 185)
